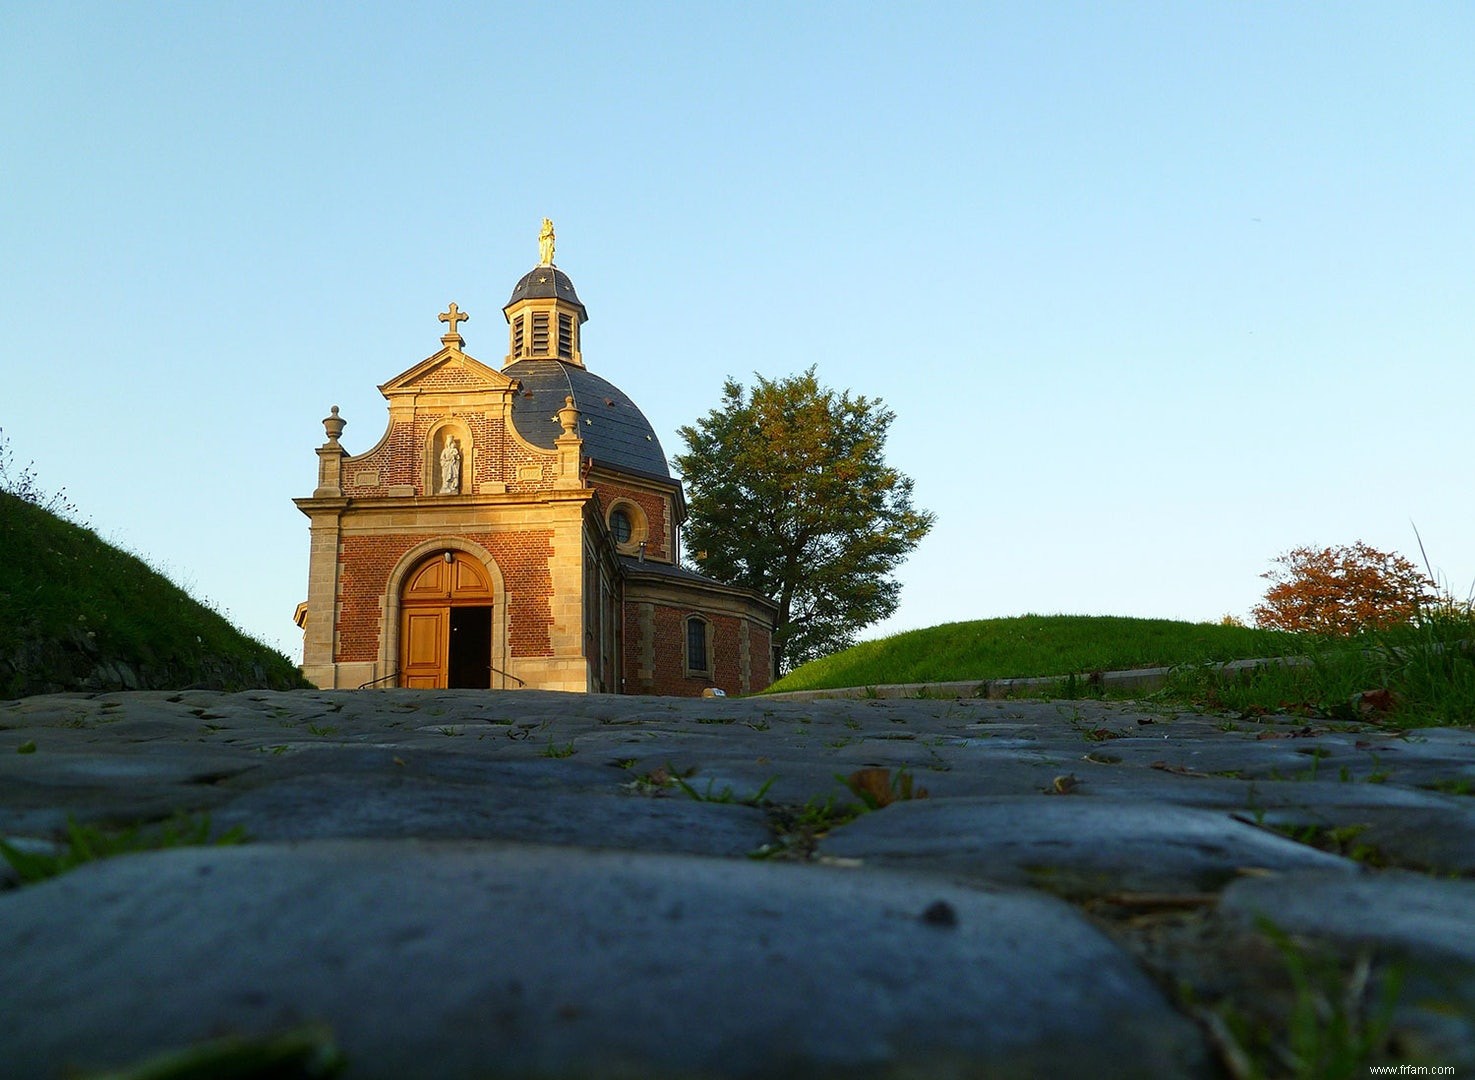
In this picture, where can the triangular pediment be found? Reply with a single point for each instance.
(449, 370)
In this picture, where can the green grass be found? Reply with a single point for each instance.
(1335, 1022)
(1428, 670)
(1034, 645)
(87, 843)
(76, 613)
(304, 1053)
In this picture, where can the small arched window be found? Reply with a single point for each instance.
(698, 651)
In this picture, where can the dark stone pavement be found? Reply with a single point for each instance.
(522, 884)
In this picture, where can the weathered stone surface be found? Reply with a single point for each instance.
(1429, 833)
(1071, 842)
(1415, 914)
(1422, 929)
(455, 960)
(559, 884)
(339, 806)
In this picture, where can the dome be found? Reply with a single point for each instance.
(616, 434)
(546, 282)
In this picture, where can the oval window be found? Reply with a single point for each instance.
(619, 525)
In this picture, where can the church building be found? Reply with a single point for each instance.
(516, 526)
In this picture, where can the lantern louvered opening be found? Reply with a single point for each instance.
(565, 336)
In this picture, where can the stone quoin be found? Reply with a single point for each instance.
(516, 527)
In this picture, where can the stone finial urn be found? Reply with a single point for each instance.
(334, 424)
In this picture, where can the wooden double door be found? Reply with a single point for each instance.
(446, 612)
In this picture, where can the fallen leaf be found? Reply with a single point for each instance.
(1374, 701)
(872, 785)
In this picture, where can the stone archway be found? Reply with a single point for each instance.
(447, 624)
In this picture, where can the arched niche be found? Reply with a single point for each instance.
(439, 466)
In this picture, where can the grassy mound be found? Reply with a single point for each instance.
(1031, 645)
(78, 614)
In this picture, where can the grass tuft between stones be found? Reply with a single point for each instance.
(88, 843)
(305, 1053)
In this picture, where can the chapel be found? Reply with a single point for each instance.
(516, 527)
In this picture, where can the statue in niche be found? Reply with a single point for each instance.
(450, 468)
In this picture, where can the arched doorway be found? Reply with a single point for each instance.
(446, 624)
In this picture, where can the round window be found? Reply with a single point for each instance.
(619, 525)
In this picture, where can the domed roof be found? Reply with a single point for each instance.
(542, 282)
(616, 434)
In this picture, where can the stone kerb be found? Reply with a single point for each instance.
(1131, 679)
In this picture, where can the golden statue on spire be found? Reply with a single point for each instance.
(545, 244)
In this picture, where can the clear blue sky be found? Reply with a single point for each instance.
(1156, 290)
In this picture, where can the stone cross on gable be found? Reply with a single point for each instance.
(453, 317)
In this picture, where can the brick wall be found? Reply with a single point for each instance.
(450, 376)
(760, 653)
(727, 669)
(395, 461)
(669, 633)
(670, 655)
(667, 627)
(367, 561)
(657, 515)
(632, 642)
(519, 456)
(495, 456)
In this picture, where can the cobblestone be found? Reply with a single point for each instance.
(464, 884)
